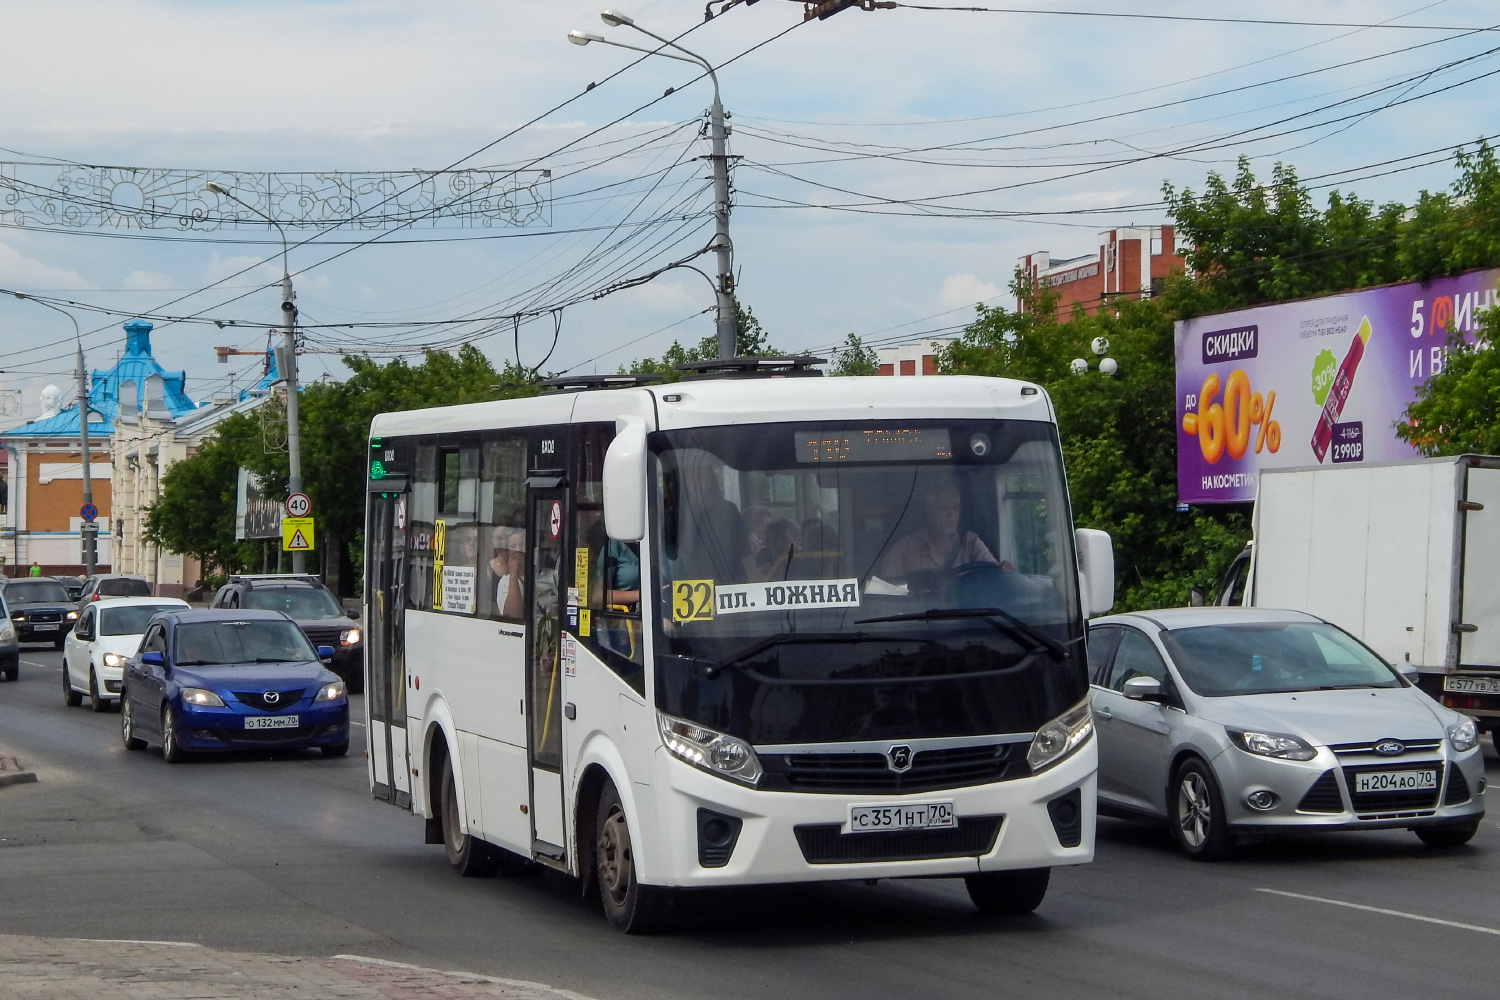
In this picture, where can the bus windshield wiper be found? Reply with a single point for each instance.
(999, 618)
(712, 668)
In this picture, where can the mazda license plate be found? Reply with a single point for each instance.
(1472, 685)
(906, 816)
(1395, 781)
(272, 722)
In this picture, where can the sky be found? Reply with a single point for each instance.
(891, 165)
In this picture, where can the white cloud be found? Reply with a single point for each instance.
(220, 267)
(23, 273)
(966, 289)
(147, 281)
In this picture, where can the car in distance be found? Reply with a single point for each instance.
(72, 584)
(40, 610)
(10, 647)
(107, 633)
(231, 680)
(102, 585)
(312, 606)
(1230, 722)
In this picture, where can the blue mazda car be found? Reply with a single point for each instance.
(231, 680)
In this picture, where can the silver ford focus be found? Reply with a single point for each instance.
(1229, 722)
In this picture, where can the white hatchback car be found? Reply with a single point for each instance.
(107, 634)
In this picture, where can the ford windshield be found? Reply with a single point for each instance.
(863, 581)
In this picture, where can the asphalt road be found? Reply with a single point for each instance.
(286, 853)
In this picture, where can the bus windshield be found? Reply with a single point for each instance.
(857, 581)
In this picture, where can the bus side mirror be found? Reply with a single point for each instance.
(625, 481)
(1196, 597)
(1096, 570)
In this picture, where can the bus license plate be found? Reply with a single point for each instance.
(1395, 781)
(906, 816)
(272, 722)
(46, 628)
(1472, 685)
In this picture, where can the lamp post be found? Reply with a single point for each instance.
(724, 287)
(1107, 366)
(88, 531)
(286, 360)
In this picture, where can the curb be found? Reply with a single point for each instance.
(11, 773)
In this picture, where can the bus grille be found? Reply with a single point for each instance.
(954, 767)
(823, 844)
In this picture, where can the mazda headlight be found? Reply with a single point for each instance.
(113, 660)
(1272, 745)
(1060, 737)
(349, 636)
(331, 692)
(715, 752)
(1464, 736)
(201, 698)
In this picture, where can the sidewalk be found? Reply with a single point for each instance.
(33, 968)
(11, 772)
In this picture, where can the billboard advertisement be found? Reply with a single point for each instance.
(1312, 382)
(255, 514)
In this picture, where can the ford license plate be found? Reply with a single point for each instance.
(1472, 685)
(272, 722)
(1395, 781)
(906, 816)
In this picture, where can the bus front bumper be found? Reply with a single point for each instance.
(802, 836)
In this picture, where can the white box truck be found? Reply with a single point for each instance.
(1404, 555)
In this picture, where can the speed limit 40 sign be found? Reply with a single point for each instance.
(298, 505)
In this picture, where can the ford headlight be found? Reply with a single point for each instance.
(113, 660)
(201, 698)
(714, 752)
(1272, 745)
(1060, 737)
(1464, 736)
(331, 692)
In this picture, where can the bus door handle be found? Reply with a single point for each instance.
(570, 711)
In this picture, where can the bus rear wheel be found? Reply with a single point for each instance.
(628, 905)
(1012, 893)
(469, 856)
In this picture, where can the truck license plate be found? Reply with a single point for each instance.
(906, 816)
(272, 722)
(1395, 781)
(1472, 685)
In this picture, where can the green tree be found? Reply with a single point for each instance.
(751, 341)
(195, 513)
(1457, 410)
(854, 358)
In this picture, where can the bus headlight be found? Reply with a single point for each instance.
(1060, 737)
(715, 752)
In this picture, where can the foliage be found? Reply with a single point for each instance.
(854, 358)
(195, 513)
(1457, 410)
(751, 340)
(1118, 437)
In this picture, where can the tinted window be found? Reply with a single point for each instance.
(124, 588)
(1220, 660)
(219, 643)
(298, 602)
(1136, 658)
(35, 591)
(131, 620)
(155, 641)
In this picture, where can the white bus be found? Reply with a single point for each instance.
(737, 629)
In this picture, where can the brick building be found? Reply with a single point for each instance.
(920, 358)
(1129, 262)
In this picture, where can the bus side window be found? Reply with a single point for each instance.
(502, 527)
(606, 573)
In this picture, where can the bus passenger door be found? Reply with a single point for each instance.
(385, 649)
(544, 694)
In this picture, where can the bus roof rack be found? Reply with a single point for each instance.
(583, 383)
(794, 366)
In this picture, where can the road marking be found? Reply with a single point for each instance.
(520, 983)
(44, 666)
(1478, 928)
(169, 944)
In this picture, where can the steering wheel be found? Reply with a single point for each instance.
(988, 585)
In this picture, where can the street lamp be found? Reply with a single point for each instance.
(724, 287)
(88, 530)
(1107, 366)
(286, 358)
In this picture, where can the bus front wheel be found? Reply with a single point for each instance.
(1011, 893)
(628, 905)
(469, 856)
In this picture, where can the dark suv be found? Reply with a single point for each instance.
(313, 607)
(102, 585)
(40, 610)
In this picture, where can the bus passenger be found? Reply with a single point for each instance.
(938, 547)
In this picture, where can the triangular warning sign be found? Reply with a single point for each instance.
(297, 542)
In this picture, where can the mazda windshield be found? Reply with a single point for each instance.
(829, 582)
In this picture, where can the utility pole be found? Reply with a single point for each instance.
(717, 134)
(88, 530)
